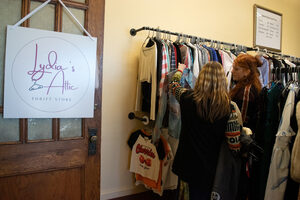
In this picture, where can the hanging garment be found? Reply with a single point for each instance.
(168, 179)
(174, 114)
(268, 138)
(164, 67)
(147, 73)
(178, 53)
(195, 68)
(264, 72)
(204, 56)
(144, 159)
(291, 65)
(171, 180)
(227, 64)
(158, 185)
(185, 55)
(173, 57)
(200, 61)
(159, 46)
(162, 107)
(278, 173)
(219, 56)
(212, 52)
(295, 158)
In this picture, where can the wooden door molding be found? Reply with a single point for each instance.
(95, 26)
(35, 166)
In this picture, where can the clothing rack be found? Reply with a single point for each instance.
(287, 70)
(134, 31)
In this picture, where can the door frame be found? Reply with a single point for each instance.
(10, 153)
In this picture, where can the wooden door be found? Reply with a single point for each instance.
(47, 159)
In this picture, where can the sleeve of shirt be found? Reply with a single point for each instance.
(132, 139)
(176, 89)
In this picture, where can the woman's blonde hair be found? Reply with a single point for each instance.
(210, 92)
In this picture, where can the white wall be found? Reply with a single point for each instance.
(228, 21)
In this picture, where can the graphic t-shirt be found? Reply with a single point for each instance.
(144, 159)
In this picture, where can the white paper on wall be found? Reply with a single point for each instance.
(268, 29)
(48, 74)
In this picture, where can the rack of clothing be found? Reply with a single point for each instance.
(159, 57)
(134, 31)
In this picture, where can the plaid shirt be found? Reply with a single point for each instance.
(164, 68)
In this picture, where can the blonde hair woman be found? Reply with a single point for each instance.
(205, 111)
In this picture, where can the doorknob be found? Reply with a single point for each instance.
(92, 141)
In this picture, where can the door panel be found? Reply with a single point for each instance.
(9, 130)
(39, 157)
(59, 182)
(69, 128)
(68, 23)
(44, 19)
(39, 129)
(48, 158)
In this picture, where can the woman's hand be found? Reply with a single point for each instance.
(181, 67)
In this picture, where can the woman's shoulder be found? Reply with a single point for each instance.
(187, 94)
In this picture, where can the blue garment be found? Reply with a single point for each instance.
(187, 79)
(174, 117)
(174, 113)
(215, 57)
(212, 52)
(264, 72)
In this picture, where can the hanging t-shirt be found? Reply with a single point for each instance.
(147, 74)
(144, 159)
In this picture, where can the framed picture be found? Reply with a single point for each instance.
(267, 29)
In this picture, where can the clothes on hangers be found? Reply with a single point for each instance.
(264, 72)
(166, 110)
(151, 164)
(278, 173)
(146, 81)
(295, 157)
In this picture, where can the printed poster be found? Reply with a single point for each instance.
(48, 74)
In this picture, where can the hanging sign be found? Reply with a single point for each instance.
(48, 74)
(267, 28)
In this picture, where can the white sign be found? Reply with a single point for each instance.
(268, 29)
(48, 74)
